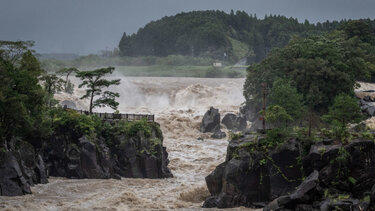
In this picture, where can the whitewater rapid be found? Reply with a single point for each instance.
(179, 105)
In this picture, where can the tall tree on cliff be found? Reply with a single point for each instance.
(22, 106)
(52, 85)
(94, 82)
(68, 86)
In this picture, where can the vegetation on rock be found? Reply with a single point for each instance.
(38, 138)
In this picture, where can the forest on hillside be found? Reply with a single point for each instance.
(219, 35)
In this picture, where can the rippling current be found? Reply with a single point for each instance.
(179, 105)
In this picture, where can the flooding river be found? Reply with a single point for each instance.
(179, 105)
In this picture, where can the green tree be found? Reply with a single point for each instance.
(315, 66)
(287, 96)
(14, 51)
(22, 107)
(278, 116)
(52, 85)
(68, 86)
(94, 82)
(344, 110)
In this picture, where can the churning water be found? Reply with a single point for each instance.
(179, 105)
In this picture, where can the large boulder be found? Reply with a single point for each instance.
(304, 194)
(367, 106)
(234, 122)
(210, 121)
(12, 181)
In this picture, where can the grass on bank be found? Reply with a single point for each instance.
(170, 66)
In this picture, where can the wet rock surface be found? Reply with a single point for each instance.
(234, 122)
(67, 156)
(136, 157)
(325, 177)
(210, 121)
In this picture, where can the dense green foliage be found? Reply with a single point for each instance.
(286, 96)
(95, 83)
(26, 112)
(317, 73)
(218, 35)
(52, 84)
(78, 125)
(344, 110)
(278, 116)
(22, 99)
(320, 67)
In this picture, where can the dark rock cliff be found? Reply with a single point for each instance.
(294, 175)
(66, 155)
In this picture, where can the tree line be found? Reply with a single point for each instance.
(311, 81)
(213, 33)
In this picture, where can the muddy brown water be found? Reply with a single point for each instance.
(179, 105)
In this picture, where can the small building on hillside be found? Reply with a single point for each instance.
(217, 64)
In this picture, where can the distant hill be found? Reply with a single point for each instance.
(58, 56)
(219, 35)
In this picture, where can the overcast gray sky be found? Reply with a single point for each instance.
(87, 26)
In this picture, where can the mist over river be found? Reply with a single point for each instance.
(179, 105)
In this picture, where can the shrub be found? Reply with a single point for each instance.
(78, 124)
(132, 128)
(276, 136)
(235, 136)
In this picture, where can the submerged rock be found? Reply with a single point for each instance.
(218, 135)
(210, 121)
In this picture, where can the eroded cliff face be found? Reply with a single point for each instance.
(294, 175)
(114, 156)
(65, 155)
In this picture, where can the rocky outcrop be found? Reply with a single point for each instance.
(284, 178)
(367, 102)
(78, 159)
(136, 156)
(12, 181)
(141, 157)
(114, 155)
(20, 169)
(234, 122)
(249, 112)
(210, 121)
(367, 107)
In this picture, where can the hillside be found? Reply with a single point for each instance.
(228, 37)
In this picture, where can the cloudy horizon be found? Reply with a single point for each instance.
(88, 26)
